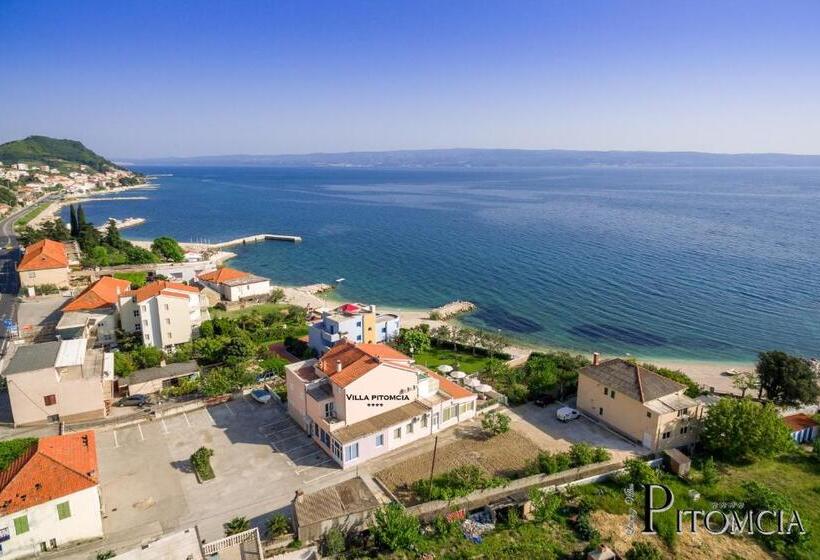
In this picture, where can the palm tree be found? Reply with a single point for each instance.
(236, 525)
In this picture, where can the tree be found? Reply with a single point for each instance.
(639, 472)
(741, 429)
(786, 380)
(581, 454)
(124, 364)
(112, 236)
(744, 381)
(395, 529)
(81, 223)
(709, 472)
(277, 525)
(75, 228)
(643, 550)
(235, 526)
(168, 249)
(276, 295)
(414, 341)
(454, 334)
(495, 423)
(545, 505)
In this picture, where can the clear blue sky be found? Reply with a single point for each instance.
(150, 78)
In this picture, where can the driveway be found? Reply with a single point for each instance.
(261, 457)
(541, 425)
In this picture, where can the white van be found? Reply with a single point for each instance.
(566, 413)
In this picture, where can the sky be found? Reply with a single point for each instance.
(137, 79)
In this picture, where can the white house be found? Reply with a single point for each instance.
(235, 285)
(50, 496)
(354, 322)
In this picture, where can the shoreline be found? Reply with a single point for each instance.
(53, 209)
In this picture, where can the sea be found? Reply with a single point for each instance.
(676, 263)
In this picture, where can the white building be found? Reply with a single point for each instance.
(355, 323)
(50, 496)
(164, 313)
(235, 285)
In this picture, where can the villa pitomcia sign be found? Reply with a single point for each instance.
(717, 521)
(378, 397)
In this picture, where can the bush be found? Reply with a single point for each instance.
(600, 455)
(643, 550)
(457, 482)
(395, 529)
(639, 472)
(586, 531)
(759, 497)
(495, 423)
(709, 472)
(277, 525)
(124, 364)
(333, 542)
(235, 526)
(47, 289)
(545, 505)
(201, 463)
(581, 454)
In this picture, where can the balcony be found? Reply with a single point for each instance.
(331, 339)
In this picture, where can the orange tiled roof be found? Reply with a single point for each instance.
(797, 422)
(43, 255)
(54, 467)
(455, 390)
(102, 293)
(223, 275)
(162, 287)
(356, 360)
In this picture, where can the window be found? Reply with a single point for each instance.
(359, 337)
(21, 525)
(50, 400)
(136, 313)
(337, 450)
(358, 323)
(167, 307)
(684, 412)
(170, 335)
(612, 394)
(352, 452)
(52, 543)
(397, 433)
(666, 435)
(424, 421)
(63, 511)
(606, 391)
(649, 415)
(684, 429)
(330, 409)
(324, 437)
(32, 275)
(380, 440)
(462, 408)
(409, 429)
(145, 322)
(600, 412)
(167, 321)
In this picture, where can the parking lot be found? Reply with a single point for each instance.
(261, 457)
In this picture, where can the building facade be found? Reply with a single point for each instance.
(359, 401)
(354, 322)
(43, 263)
(163, 313)
(59, 381)
(640, 404)
(94, 312)
(235, 285)
(50, 496)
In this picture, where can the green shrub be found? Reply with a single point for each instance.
(47, 289)
(640, 472)
(709, 472)
(395, 529)
(585, 529)
(455, 483)
(201, 463)
(545, 505)
(495, 423)
(278, 525)
(581, 453)
(643, 550)
(236, 525)
(333, 542)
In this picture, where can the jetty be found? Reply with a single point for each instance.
(121, 224)
(452, 309)
(258, 238)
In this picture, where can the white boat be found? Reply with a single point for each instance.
(338, 280)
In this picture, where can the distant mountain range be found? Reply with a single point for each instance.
(494, 158)
(53, 152)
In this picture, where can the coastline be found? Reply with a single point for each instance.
(52, 210)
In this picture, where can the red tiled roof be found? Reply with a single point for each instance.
(102, 293)
(44, 255)
(55, 467)
(162, 287)
(223, 275)
(356, 360)
(797, 422)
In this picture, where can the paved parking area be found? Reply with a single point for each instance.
(541, 425)
(261, 457)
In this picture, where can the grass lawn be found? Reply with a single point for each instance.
(262, 308)
(31, 214)
(137, 279)
(459, 360)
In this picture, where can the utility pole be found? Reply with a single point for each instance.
(433, 464)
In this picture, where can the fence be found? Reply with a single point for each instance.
(234, 540)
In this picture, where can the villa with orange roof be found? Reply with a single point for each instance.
(49, 496)
(163, 313)
(235, 285)
(94, 312)
(359, 401)
(43, 263)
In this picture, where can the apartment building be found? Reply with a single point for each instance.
(359, 401)
(43, 263)
(640, 404)
(94, 312)
(163, 313)
(49, 496)
(354, 322)
(59, 381)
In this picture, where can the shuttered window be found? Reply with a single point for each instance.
(63, 511)
(21, 525)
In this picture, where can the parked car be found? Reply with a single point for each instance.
(544, 400)
(261, 395)
(566, 413)
(134, 400)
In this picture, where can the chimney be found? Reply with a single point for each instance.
(299, 494)
(596, 359)
(338, 366)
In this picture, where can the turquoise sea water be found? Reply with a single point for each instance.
(684, 263)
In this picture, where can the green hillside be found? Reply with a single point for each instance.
(51, 151)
